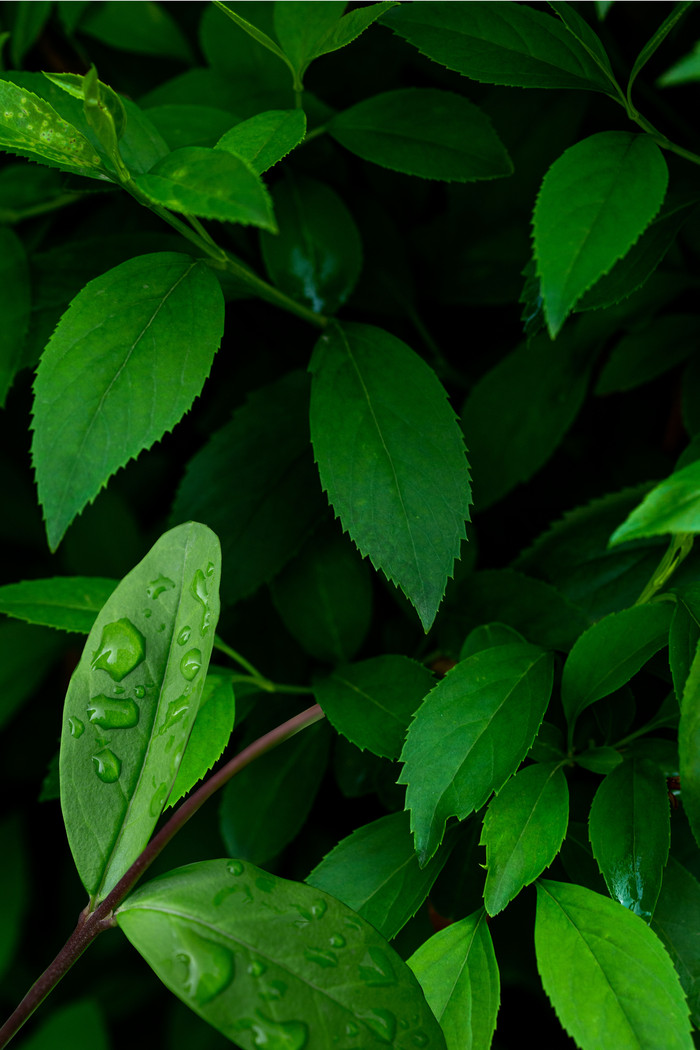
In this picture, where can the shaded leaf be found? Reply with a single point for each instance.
(190, 125)
(26, 655)
(14, 889)
(210, 734)
(70, 603)
(684, 635)
(645, 354)
(676, 922)
(689, 746)
(266, 138)
(28, 20)
(656, 39)
(137, 25)
(486, 637)
(15, 305)
(685, 71)
(77, 1024)
(307, 31)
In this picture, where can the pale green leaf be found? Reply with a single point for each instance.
(210, 734)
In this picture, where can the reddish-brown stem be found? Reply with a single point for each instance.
(92, 923)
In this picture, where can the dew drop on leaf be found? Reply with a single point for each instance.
(201, 593)
(110, 712)
(208, 969)
(235, 867)
(381, 1022)
(76, 727)
(157, 586)
(337, 941)
(107, 765)
(139, 692)
(158, 800)
(184, 636)
(121, 649)
(376, 969)
(177, 709)
(257, 968)
(278, 1035)
(323, 958)
(273, 991)
(420, 1039)
(191, 664)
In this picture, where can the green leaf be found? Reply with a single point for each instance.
(601, 760)
(14, 889)
(486, 637)
(190, 125)
(685, 71)
(317, 256)
(346, 29)
(372, 702)
(684, 635)
(391, 458)
(210, 183)
(594, 203)
(15, 305)
(126, 362)
(549, 744)
(643, 355)
(426, 132)
(589, 40)
(672, 506)
(630, 834)
(655, 41)
(132, 701)
(255, 33)
(523, 830)
(493, 703)
(536, 394)
(607, 975)
(458, 973)
(28, 20)
(26, 656)
(266, 138)
(689, 746)
(508, 44)
(676, 922)
(210, 734)
(611, 652)
(77, 1024)
(265, 517)
(301, 28)
(376, 873)
(265, 806)
(69, 603)
(137, 25)
(281, 963)
(324, 597)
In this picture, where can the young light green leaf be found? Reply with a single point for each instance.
(378, 417)
(493, 703)
(137, 25)
(595, 201)
(458, 973)
(426, 132)
(630, 833)
(69, 603)
(126, 362)
(523, 830)
(499, 44)
(211, 183)
(265, 139)
(132, 701)
(376, 873)
(655, 42)
(78, 1024)
(317, 255)
(672, 506)
(210, 734)
(685, 71)
(643, 355)
(372, 702)
(611, 652)
(689, 746)
(15, 307)
(607, 975)
(276, 963)
(676, 922)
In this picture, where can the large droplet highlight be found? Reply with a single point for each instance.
(201, 592)
(177, 709)
(107, 765)
(76, 727)
(376, 969)
(208, 969)
(278, 1035)
(110, 712)
(191, 664)
(121, 649)
(381, 1022)
(184, 636)
(157, 586)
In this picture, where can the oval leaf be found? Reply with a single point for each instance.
(69, 603)
(266, 138)
(272, 963)
(672, 506)
(125, 363)
(132, 701)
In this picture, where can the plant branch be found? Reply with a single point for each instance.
(92, 923)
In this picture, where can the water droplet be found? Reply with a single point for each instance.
(381, 1022)
(119, 690)
(272, 991)
(376, 969)
(315, 910)
(352, 923)
(139, 692)
(200, 592)
(191, 664)
(278, 1035)
(208, 969)
(147, 613)
(184, 636)
(107, 765)
(76, 727)
(210, 569)
(257, 968)
(351, 1029)
(109, 712)
(266, 885)
(420, 1039)
(235, 867)
(321, 957)
(157, 586)
(177, 709)
(158, 800)
(121, 649)
(337, 941)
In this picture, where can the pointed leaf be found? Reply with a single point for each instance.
(255, 33)
(685, 71)
(69, 603)
(376, 873)
(210, 734)
(677, 921)
(15, 306)
(132, 701)
(486, 637)
(589, 40)
(493, 703)
(607, 975)
(672, 506)
(643, 355)
(689, 746)
(391, 458)
(656, 40)
(594, 203)
(265, 139)
(630, 834)
(458, 972)
(276, 963)
(351, 25)
(523, 830)
(301, 27)
(426, 132)
(126, 362)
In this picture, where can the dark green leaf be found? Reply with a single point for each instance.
(426, 132)
(349, 27)
(266, 138)
(672, 506)
(493, 703)
(126, 362)
(264, 518)
(487, 636)
(589, 40)
(499, 44)
(137, 25)
(210, 734)
(630, 834)
(69, 603)
(643, 355)
(280, 964)
(458, 973)
(14, 889)
(15, 307)
(689, 746)
(685, 71)
(28, 20)
(317, 255)
(656, 40)
(122, 744)
(677, 921)
(301, 28)
(372, 703)
(611, 652)
(601, 760)
(549, 744)
(690, 409)
(26, 655)
(376, 873)
(391, 458)
(684, 635)
(190, 125)
(26, 190)
(595, 201)
(254, 32)
(79, 1024)
(607, 975)
(523, 830)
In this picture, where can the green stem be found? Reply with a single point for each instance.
(221, 645)
(255, 677)
(17, 215)
(311, 135)
(660, 139)
(679, 548)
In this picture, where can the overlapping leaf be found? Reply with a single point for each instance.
(676, 921)
(210, 734)
(672, 506)
(266, 138)
(69, 603)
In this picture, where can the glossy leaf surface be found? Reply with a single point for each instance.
(266, 960)
(523, 830)
(607, 975)
(210, 734)
(133, 700)
(493, 704)
(69, 603)
(266, 138)
(458, 971)
(126, 362)
(391, 458)
(672, 506)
